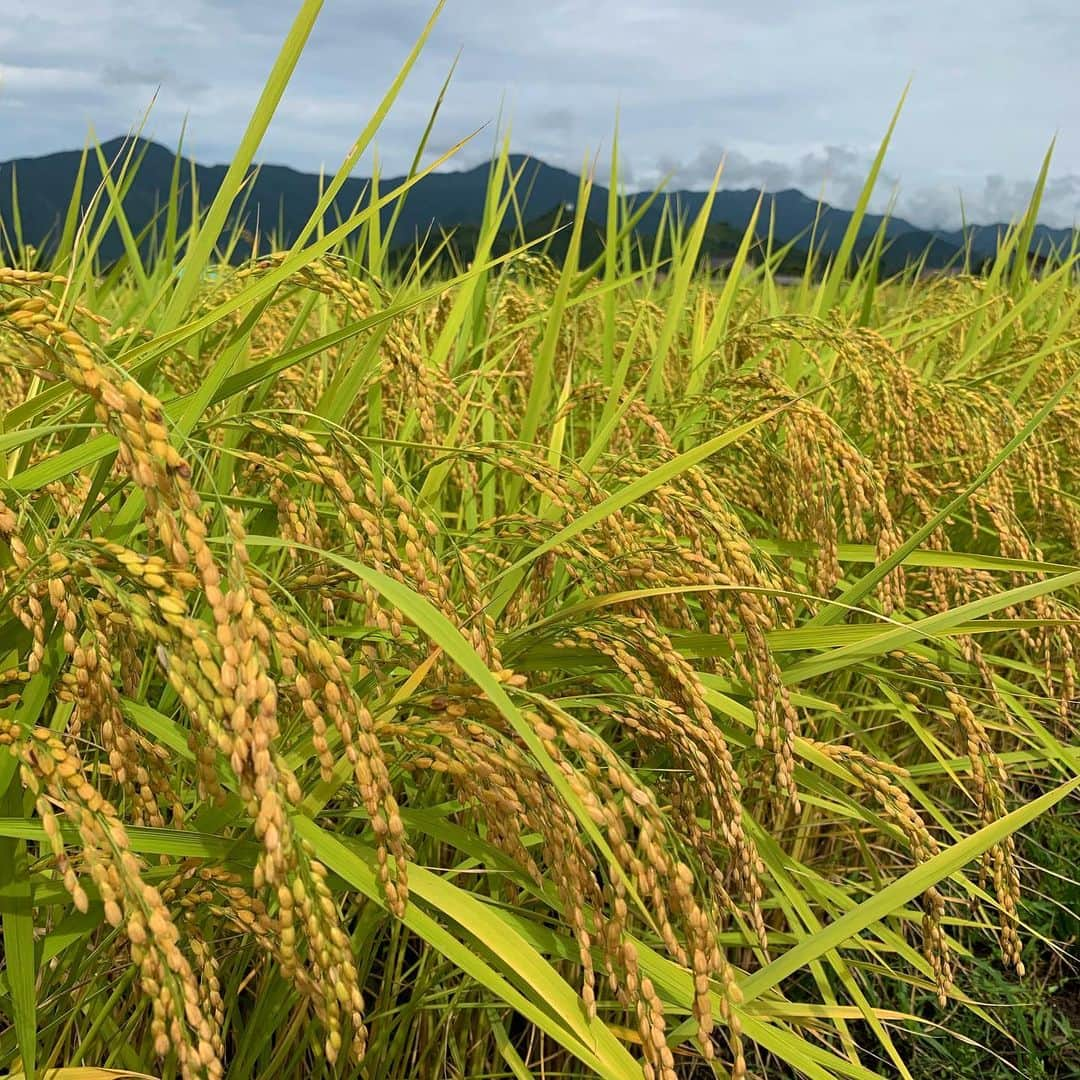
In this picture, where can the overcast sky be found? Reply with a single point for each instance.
(796, 94)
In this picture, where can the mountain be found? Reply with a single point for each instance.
(984, 238)
(281, 200)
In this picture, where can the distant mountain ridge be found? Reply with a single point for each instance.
(283, 198)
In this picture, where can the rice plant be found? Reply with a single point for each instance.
(537, 670)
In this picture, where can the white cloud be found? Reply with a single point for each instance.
(44, 81)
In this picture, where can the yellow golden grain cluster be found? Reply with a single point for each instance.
(143, 575)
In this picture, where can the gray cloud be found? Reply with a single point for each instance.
(837, 174)
(124, 74)
(840, 169)
(797, 95)
(559, 121)
(121, 73)
(998, 199)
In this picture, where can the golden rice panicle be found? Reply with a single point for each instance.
(640, 838)
(389, 532)
(90, 636)
(988, 782)
(630, 549)
(356, 726)
(803, 470)
(88, 639)
(318, 674)
(26, 602)
(231, 667)
(684, 723)
(233, 677)
(53, 772)
(286, 865)
(880, 779)
(710, 548)
(461, 738)
(420, 387)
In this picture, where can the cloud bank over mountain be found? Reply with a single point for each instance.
(838, 173)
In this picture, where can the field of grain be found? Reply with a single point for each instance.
(540, 671)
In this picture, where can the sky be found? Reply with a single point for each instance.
(788, 94)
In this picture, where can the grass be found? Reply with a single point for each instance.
(543, 670)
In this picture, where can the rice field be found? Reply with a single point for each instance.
(527, 671)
